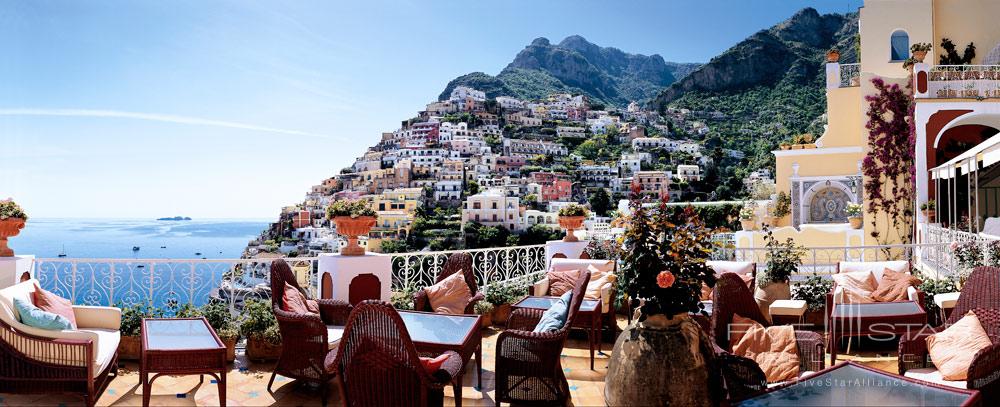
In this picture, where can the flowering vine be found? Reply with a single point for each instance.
(889, 168)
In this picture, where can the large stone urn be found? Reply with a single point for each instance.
(769, 293)
(9, 228)
(352, 228)
(662, 362)
(571, 223)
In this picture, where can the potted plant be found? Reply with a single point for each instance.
(969, 255)
(354, 217)
(261, 330)
(929, 210)
(12, 219)
(403, 299)
(783, 259)
(932, 286)
(854, 214)
(833, 55)
(748, 215)
(571, 218)
(501, 296)
(919, 51)
(813, 291)
(664, 357)
(485, 310)
(782, 205)
(130, 345)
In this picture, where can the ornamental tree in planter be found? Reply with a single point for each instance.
(130, 345)
(261, 330)
(12, 219)
(783, 259)
(353, 218)
(664, 357)
(571, 218)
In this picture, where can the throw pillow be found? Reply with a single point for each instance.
(773, 348)
(36, 317)
(857, 286)
(555, 317)
(450, 296)
(293, 301)
(51, 302)
(312, 306)
(432, 365)
(598, 280)
(739, 327)
(894, 286)
(561, 281)
(953, 349)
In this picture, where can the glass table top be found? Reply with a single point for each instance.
(439, 328)
(546, 303)
(178, 334)
(850, 385)
(876, 309)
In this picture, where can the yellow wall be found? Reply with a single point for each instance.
(814, 165)
(880, 18)
(843, 107)
(965, 21)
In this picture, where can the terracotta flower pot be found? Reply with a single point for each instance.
(571, 223)
(9, 228)
(856, 221)
(501, 313)
(230, 348)
(352, 228)
(130, 348)
(748, 224)
(487, 320)
(260, 350)
(832, 56)
(770, 293)
(661, 362)
(919, 55)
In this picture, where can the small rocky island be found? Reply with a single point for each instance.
(175, 218)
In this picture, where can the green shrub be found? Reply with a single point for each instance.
(258, 322)
(132, 317)
(350, 207)
(813, 291)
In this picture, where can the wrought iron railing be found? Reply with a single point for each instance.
(964, 81)
(850, 75)
(934, 260)
(419, 269)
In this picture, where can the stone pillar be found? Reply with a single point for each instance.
(366, 277)
(12, 269)
(572, 250)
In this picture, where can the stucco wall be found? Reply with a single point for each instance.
(843, 107)
(880, 18)
(965, 21)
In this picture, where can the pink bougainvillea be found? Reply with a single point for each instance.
(889, 168)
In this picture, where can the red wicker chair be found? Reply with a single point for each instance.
(528, 364)
(378, 364)
(980, 294)
(305, 338)
(731, 296)
(455, 263)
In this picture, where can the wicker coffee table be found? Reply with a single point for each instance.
(589, 317)
(851, 384)
(436, 333)
(181, 346)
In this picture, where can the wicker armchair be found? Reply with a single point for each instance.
(455, 263)
(378, 364)
(305, 338)
(731, 296)
(528, 364)
(980, 294)
(82, 361)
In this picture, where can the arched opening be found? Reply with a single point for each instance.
(899, 46)
(959, 205)
(826, 202)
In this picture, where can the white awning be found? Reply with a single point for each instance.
(987, 152)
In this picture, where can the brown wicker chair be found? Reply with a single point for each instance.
(980, 294)
(731, 296)
(455, 263)
(305, 338)
(528, 364)
(378, 364)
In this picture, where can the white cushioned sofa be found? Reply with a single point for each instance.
(79, 361)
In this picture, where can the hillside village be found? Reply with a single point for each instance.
(470, 171)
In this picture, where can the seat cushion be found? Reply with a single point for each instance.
(555, 317)
(333, 335)
(930, 374)
(603, 266)
(449, 296)
(953, 349)
(50, 302)
(105, 347)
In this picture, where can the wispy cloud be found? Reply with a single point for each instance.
(156, 117)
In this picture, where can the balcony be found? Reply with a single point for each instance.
(957, 81)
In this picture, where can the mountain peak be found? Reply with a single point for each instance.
(541, 41)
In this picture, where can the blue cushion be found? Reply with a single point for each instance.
(35, 317)
(555, 317)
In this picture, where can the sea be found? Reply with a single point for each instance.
(116, 238)
(129, 279)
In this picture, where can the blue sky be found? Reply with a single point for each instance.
(234, 109)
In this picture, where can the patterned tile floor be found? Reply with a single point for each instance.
(248, 382)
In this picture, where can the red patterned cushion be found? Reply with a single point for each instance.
(432, 365)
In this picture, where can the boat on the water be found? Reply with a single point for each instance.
(63, 252)
(135, 248)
